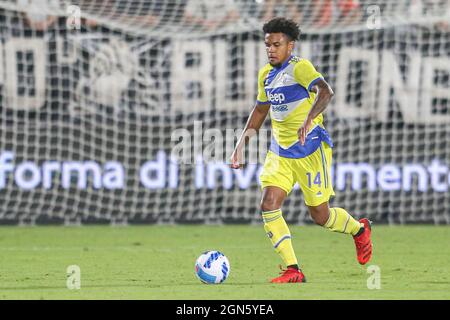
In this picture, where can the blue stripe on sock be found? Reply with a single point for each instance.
(269, 212)
(266, 220)
(281, 240)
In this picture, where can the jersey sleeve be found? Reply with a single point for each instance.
(262, 97)
(306, 74)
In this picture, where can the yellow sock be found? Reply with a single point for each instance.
(341, 221)
(280, 236)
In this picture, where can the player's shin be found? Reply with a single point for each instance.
(280, 236)
(341, 221)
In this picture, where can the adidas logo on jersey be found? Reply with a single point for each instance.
(276, 97)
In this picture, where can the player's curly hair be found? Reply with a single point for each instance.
(283, 25)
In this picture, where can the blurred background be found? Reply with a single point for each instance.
(126, 112)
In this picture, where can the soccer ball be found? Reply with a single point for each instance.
(212, 267)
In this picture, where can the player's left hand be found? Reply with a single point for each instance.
(304, 129)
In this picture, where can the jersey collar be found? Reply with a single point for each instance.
(284, 63)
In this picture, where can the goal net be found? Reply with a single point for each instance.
(127, 111)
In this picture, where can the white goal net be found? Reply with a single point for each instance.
(127, 111)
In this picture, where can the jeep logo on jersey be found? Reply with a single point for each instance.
(277, 97)
(281, 108)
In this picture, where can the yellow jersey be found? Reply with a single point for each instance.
(287, 89)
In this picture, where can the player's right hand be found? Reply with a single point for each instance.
(236, 159)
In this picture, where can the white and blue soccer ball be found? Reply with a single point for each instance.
(212, 267)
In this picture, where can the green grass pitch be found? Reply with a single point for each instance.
(157, 262)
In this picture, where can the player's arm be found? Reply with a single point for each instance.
(307, 76)
(323, 98)
(254, 123)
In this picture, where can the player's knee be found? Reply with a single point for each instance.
(272, 199)
(269, 204)
(319, 216)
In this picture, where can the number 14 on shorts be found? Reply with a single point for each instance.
(317, 179)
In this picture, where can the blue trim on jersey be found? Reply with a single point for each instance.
(312, 142)
(291, 93)
(275, 70)
(324, 166)
(313, 83)
(262, 102)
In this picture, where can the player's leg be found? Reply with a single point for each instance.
(278, 232)
(339, 220)
(314, 177)
(315, 181)
(277, 181)
(335, 219)
(275, 225)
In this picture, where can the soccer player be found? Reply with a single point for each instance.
(296, 95)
